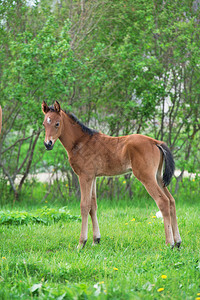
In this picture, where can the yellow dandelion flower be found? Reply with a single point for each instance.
(193, 179)
(197, 298)
(124, 181)
(163, 276)
(3, 257)
(101, 282)
(160, 290)
(115, 269)
(149, 223)
(198, 294)
(66, 185)
(126, 223)
(133, 220)
(153, 217)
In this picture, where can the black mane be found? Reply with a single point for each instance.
(84, 128)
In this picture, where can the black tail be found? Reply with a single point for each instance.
(169, 164)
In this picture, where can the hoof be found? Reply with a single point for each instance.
(96, 241)
(172, 246)
(178, 244)
(81, 245)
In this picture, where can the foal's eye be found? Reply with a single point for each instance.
(57, 124)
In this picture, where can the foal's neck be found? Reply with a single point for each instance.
(71, 133)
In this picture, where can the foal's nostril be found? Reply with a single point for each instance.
(49, 146)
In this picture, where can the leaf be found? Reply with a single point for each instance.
(35, 287)
(61, 297)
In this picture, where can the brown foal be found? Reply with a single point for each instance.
(92, 154)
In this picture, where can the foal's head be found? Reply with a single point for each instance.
(52, 123)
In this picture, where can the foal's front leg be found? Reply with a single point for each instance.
(86, 185)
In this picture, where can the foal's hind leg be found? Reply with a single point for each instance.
(163, 204)
(146, 174)
(174, 224)
(145, 164)
(175, 229)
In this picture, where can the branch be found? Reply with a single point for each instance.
(29, 161)
(9, 178)
(18, 141)
(25, 159)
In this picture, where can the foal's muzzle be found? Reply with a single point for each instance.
(49, 146)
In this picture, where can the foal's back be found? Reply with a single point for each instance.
(114, 155)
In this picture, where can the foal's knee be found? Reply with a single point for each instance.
(172, 202)
(85, 209)
(172, 205)
(164, 206)
(93, 211)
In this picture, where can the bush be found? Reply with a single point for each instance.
(44, 215)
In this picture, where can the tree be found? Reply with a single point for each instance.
(122, 66)
(37, 67)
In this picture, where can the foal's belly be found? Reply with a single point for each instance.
(113, 168)
(114, 173)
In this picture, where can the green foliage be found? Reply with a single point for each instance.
(122, 67)
(44, 215)
(41, 68)
(118, 189)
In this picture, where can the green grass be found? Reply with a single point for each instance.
(40, 261)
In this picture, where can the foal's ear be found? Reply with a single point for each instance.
(45, 107)
(57, 106)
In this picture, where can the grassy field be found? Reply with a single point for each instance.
(39, 259)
